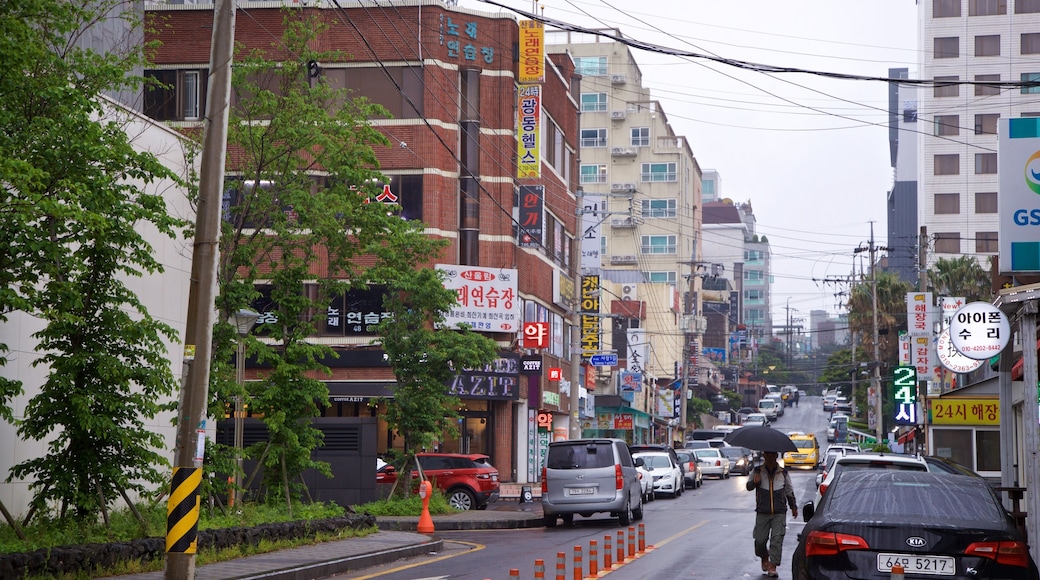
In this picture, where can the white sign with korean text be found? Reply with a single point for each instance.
(636, 350)
(922, 357)
(591, 227)
(904, 348)
(979, 330)
(949, 305)
(919, 314)
(487, 299)
(951, 358)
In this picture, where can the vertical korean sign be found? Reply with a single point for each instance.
(590, 343)
(532, 52)
(591, 227)
(919, 314)
(636, 355)
(904, 395)
(529, 120)
(532, 200)
(1018, 197)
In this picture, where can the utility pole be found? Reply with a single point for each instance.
(183, 509)
(879, 422)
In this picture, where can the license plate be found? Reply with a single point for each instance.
(581, 491)
(923, 564)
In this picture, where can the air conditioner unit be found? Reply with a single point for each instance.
(617, 79)
(623, 259)
(618, 115)
(626, 222)
(629, 292)
(622, 151)
(622, 187)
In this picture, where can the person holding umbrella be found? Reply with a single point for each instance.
(773, 491)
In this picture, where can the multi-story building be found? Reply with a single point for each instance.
(711, 186)
(903, 240)
(730, 240)
(646, 182)
(970, 41)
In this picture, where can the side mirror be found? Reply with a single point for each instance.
(807, 511)
(390, 469)
(638, 462)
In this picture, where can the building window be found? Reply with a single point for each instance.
(754, 296)
(947, 47)
(651, 172)
(948, 243)
(1031, 78)
(1034, 114)
(175, 95)
(946, 87)
(987, 7)
(947, 164)
(593, 102)
(640, 136)
(592, 66)
(986, 124)
(754, 276)
(1030, 43)
(664, 277)
(947, 203)
(985, 163)
(657, 244)
(946, 8)
(593, 137)
(754, 256)
(986, 202)
(658, 208)
(593, 173)
(947, 124)
(1027, 6)
(983, 90)
(986, 242)
(988, 45)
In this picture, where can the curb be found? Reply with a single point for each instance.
(409, 524)
(347, 564)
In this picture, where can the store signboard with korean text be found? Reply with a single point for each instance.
(487, 299)
(919, 313)
(951, 358)
(529, 119)
(532, 216)
(947, 411)
(923, 358)
(532, 52)
(1018, 194)
(904, 395)
(979, 330)
(536, 335)
(636, 356)
(590, 320)
(592, 231)
(498, 380)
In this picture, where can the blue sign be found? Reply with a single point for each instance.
(604, 360)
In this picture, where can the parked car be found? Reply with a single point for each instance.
(588, 476)
(869, 461)
(743, 412)
(668, 476)
(718, 443)
(768, 407)
(756, 420)
(944, 465)
(838, 429)
(633, 449)
(705, 434)
(828, 402)
(692, 474)
(468, 481)
(713, 462)
(739, 459)
(697, 444)
(779, 403)
(808, 454)
(646, 483)
(932, 524)
(833, 452)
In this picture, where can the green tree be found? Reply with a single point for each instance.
(961, 276)
(73, 204)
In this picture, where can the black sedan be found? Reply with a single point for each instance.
(739, 459)
(934, 525)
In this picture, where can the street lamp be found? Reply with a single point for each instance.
(243, 321)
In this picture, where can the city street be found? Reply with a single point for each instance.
(706, 533)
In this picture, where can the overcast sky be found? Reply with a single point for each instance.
(809, 153)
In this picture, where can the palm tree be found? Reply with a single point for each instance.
(961, 276)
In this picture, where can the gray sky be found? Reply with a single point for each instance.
(809, 153)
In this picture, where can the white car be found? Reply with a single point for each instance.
(713, 462)
(853, 461)
(667, 476)
(646, 482)
(769, 408)
(756, 420)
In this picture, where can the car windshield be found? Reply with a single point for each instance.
(713, 453)
(882, 495)
(803, 443)
(656, 461)
(733, 452)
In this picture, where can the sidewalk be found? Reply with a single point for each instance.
(395, 540)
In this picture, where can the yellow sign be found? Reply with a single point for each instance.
(965, 411)
(532, 52)
(529, 117)
(590, 341)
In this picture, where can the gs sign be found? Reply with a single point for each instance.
(1024, 217)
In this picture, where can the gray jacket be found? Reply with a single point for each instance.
(774, 495)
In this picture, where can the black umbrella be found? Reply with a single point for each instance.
(761, 439)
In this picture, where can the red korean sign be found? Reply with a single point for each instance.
(555, 373)
(536, 335)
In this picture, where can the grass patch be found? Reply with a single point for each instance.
(411, 506)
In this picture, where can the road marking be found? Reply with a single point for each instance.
(475, 547)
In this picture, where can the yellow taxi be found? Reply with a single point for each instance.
(808, 454)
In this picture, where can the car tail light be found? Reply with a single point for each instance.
(718, 463)
(483, 476)
(619, 477)
(1011, 553)
(545, 485)
(823, 488)
(830, 543)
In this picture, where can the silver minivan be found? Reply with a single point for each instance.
(588, 476)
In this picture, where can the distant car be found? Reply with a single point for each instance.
(588, 476)
(838, 429)
(467, 480)
(768, 407)
(828, 402)
(718, 443)
(668, 476)
(833, 452)
(713, 462)
(739, 459)
(779, 403)
(697, 444)
(743, 412)
(869, 461)
(692, 474)
(808, 453)
(646, 483)
(756, 420)
(933, 525)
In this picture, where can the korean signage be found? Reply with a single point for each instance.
(462, 39)
(904, 395)
(716, 355)
(555, 373)
(922, 358)
(591, 227)
(531, 365)
(532, 52)
(590, 341)
(486, 298)
(357, 312)
(965, 411)
(979, 330)
(951, 358)
(624, 421)
(563, 290)
(948, 306)
(1018, 194)
(529, 120)
(919, 313)
(536, 335)
(904, 348)
(668, 405)
(630, 382)
(498, 380)
(636, 350)
(532, 199)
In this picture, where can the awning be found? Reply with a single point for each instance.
(908, 436)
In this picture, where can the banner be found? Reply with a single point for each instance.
(487, 299)
(590, 340)
(919, 314)
(636, 356)
(532, 52)
(532, 201)
(529, 120)
(591, 227)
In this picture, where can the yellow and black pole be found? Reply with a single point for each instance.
(182, 513)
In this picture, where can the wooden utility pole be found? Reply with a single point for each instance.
(183, 507)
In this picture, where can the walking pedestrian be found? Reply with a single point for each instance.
(773, 494)
(796, 395)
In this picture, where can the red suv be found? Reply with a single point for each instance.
(468, 481)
